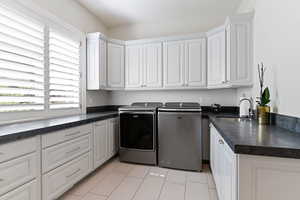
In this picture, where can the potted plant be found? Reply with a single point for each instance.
(263, 110)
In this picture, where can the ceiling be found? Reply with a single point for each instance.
(115, 13)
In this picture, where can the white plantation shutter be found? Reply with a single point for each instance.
(21, 63)
(64, 58)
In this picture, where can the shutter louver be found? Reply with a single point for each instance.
(21, 63)
(64, 55)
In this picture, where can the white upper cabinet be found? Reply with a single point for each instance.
(230, 53)
(134, 66)
(195, 63)
(216, 55)
(220, 58)
(239, 50)
(185, 64)
(153, 65)
(144, 66)
(173, 53)
(96, 62)
(115, 66)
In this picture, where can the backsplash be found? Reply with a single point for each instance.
(286, 122)
(102, 108)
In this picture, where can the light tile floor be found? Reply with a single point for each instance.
(122, 181)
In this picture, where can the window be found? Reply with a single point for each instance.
(64, 72)
(40, 68)
(21, 63)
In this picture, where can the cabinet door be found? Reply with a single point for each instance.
(212, 149)
(217, 59)
(153, 65)
(29, 191)
(93, 64)
(115, 64)
(216, 159)
(195, 63)
(103, 64)
(223, 164)
(113, 131)
(134, 66)
(61, 179)
(16, 172)
(239, 53)
(173, 64)
(229, 175)
(100, 143)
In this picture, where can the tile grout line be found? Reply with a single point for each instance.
(162, 187)
(140, 185)
(117, 186)
(126, 176)
(185, 185)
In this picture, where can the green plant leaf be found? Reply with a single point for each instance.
(265, 99)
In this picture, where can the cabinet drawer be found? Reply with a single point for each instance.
(57, 137)
(59, 154)
(59, 180)
(28, 191)
(16, 172)
(18, 148)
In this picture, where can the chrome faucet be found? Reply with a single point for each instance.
(251, 109)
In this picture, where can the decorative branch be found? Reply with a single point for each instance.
(264, 97)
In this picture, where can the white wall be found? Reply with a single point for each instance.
(164, 28)
(277, 44)
(225, 97)
(73, 13)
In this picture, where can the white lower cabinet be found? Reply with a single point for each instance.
(20, 170)
(16, 172)
(249, 177)
(29, 191)
(62, 153)
(223, 165)
(59, 180)
(100, 143)
(113, 132)
(45, 167)
(105, 140)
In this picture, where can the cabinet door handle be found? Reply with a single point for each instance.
(221, 141)
(72, 134)
(73, 173)
(73, 150)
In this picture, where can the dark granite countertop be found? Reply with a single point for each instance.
(247, 137)
(21, 130)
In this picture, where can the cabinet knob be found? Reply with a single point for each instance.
(221, 141)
